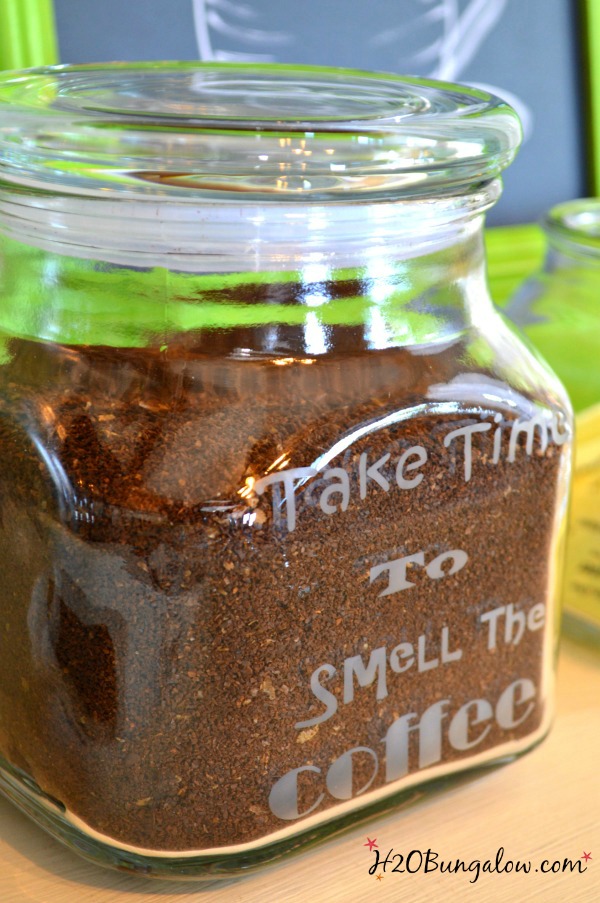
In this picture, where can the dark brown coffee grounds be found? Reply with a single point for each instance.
(162, 626)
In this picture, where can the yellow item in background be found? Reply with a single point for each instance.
(582, 570)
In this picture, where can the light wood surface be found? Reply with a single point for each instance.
(545, 806)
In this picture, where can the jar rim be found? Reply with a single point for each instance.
(187, 131)
(575, 224)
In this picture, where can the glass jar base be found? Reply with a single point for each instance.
(52, 816)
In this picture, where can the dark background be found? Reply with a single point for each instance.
(528, 48)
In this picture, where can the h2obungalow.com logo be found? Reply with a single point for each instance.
(431, 862)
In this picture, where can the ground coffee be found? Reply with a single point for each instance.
(239, 590)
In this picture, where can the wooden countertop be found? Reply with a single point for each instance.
(545, 806)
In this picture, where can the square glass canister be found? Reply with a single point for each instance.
(282, 496)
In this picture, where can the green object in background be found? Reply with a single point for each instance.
(27, 34)
(590, 10)
(513, 254)
(559, 307)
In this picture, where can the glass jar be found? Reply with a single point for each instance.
(282, 495)
(558, 309)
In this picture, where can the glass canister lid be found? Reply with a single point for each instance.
(181, 130)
